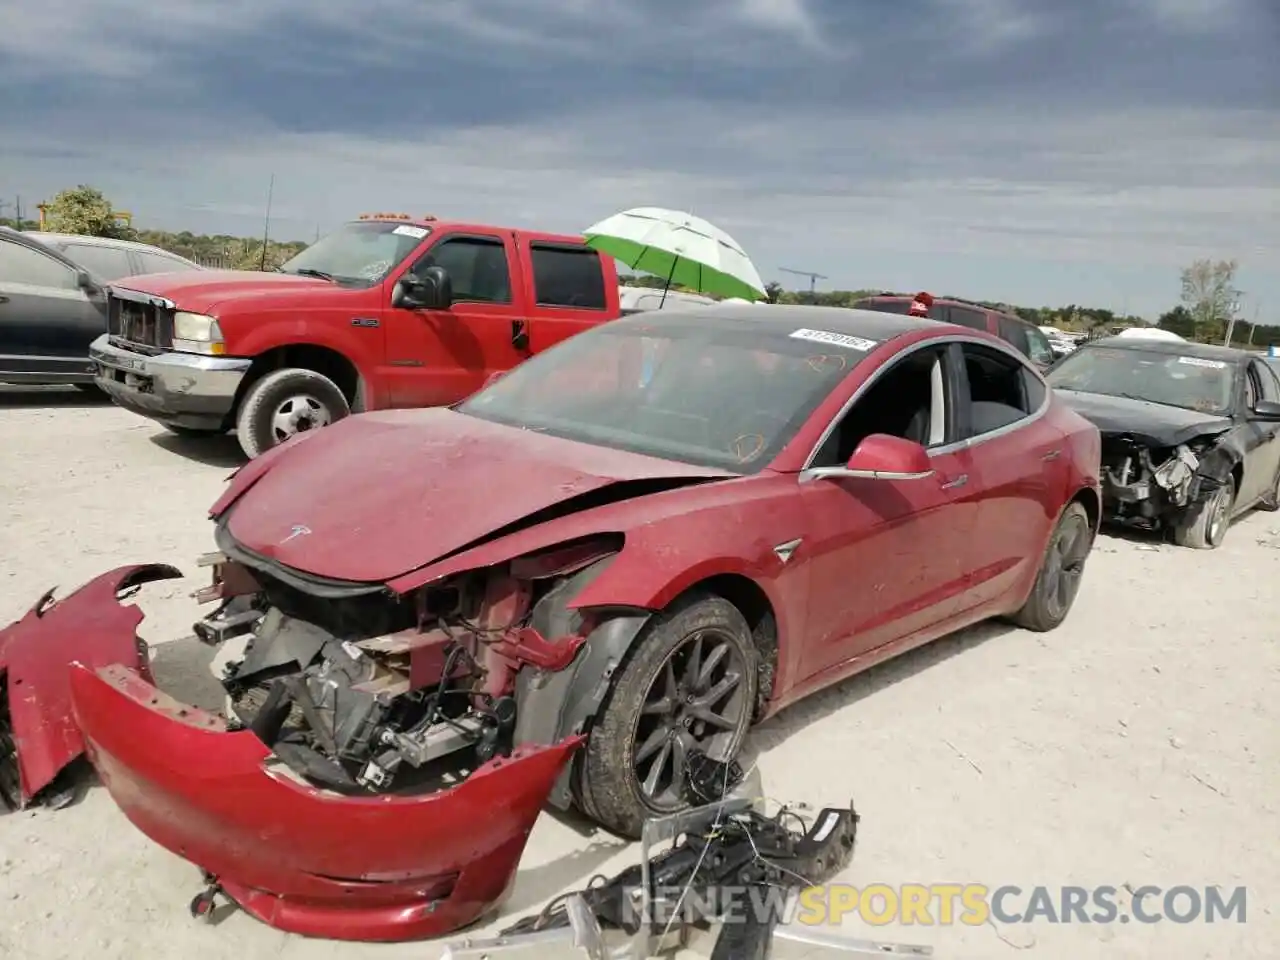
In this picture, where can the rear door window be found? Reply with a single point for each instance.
(966, 317)
(159, 263)
(567, 276)
(109, 263)
(1015, 333)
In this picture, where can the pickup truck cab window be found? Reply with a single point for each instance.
(361, 253)
(158, 263)
(22, 265)
(565, 276)
(477, 268)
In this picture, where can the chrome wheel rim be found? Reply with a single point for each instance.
(697, 701)
(297, 414)
(1218, 518)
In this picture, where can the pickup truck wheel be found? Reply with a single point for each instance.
(285, 403)
(689, 684)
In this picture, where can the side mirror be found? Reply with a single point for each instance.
(431, 291)
(85, 282)
(1268, 410)
(882, 457)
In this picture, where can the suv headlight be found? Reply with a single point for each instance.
(197, 333)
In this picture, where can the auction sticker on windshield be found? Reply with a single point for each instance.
(416, 232)
(837, 339)
(1201, 362)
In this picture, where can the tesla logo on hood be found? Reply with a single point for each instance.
(297, 530)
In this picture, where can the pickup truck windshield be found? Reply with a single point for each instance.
(694, 389)
(1193, 383)
(358, 253)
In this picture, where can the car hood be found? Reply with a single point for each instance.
(380, 494)
(201, 290)
(1154, 423)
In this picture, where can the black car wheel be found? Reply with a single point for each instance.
(1061, 571)
(688, 685)
(1206, 523)
(285, 403)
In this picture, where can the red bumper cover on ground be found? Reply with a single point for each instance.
(91, 627)
(297, 857)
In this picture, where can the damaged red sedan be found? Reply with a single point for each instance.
(622, 553)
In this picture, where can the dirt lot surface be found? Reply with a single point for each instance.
(1138, 744)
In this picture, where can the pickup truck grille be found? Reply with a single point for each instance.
(134, 324)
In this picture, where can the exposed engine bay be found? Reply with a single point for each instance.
(378, 693)
(1152, 485)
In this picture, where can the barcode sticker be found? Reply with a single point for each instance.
(1201, 362)
(837, 339)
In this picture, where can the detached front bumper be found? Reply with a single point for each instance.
(303, 859)
(92, 627)
(182, 389)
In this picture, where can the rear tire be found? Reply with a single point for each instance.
(1205, 524)
(705, 630)
(1061, 571)
(285, 403)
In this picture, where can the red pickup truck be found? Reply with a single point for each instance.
(388, 311)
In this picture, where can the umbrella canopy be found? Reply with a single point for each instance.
(684, 249)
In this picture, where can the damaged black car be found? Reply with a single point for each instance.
(1190, 432)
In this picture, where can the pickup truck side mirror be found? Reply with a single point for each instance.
(86, 282)
(432, 290)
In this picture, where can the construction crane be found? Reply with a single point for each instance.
(813, 277)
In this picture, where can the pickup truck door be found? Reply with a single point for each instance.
(566, 288)
(47, 321)
(437, 357)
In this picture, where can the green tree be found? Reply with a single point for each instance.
(85, 210)
(773, 290)
(1209, 293)
(1180, 321)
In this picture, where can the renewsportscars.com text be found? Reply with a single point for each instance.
(945, 904)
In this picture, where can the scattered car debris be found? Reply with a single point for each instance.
(697, 892)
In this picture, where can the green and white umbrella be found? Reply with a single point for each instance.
(686, 250)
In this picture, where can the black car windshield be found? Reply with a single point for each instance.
(708, 391)
(362, 252)
(1173, 379)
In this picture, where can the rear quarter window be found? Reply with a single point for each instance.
(967, 317)
(567, 276)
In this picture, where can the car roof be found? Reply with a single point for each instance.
(950, 302)
(1180, 348)
(785, 319)
(77, 238)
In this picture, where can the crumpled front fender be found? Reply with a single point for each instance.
(92, 627)
(300, 858)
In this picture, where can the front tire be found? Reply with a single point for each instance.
(1061, 571)
(688, 684)
(285, 403)
(1205, 524)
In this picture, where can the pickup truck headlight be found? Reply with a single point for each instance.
(197, 333)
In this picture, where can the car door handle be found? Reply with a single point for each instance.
(3, 299)
(956, 483)
(1051, 455)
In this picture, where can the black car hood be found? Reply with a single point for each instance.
(1153, 423)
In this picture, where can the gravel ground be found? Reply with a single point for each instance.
(1136, 745)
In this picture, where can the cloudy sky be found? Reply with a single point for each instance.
(1034, 151)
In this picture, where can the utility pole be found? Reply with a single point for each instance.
(1253, 327)
(813, 278)
(1231, 320)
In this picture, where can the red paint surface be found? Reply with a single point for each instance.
(89, 626)
(298, 858)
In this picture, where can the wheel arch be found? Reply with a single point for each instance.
(318, 358)
(553, 706)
